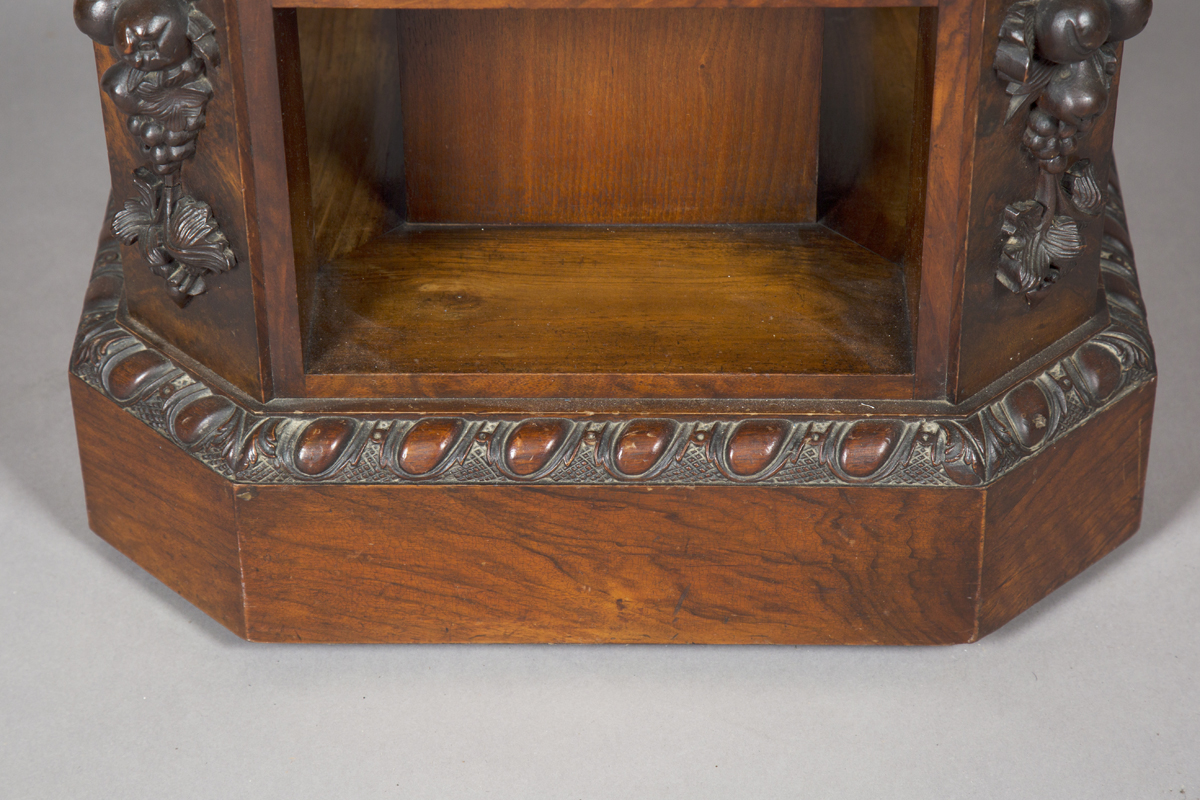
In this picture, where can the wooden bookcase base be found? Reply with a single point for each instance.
(438, 322)
(804, 529)
(711, 564)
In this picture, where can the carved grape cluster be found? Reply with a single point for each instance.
(1058, 58)
(1052, 141)
(164, 49)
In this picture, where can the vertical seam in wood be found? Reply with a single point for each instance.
(281, 348)
(966, 185)
(979, 577)
(245, 170)
(241, 567)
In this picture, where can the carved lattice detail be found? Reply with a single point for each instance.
(971, 450)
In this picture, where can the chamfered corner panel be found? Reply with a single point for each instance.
(168, 513)
(1056, 515)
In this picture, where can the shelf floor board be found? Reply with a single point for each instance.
(722, 299)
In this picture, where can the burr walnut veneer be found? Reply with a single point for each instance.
(797, 321)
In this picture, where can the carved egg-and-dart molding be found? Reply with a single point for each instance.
(243, 445)
(1058, 58)
(165, 48)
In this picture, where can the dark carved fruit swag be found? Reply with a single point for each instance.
(1058, 58)
(165, 48)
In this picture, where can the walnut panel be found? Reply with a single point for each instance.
(612, 564)
(611, 116)
(160, 507)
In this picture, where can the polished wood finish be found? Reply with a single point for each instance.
(716, 565)
(353, 125)
(221, 332)
(719, 300)
(870, 114)
(627, 392)
(712, 564)
(274, 213)
(934, 264)
(136, 488)
(597, 116)
(469, 157)
(959, 51)
(587, 321)
(1000, 329)
(290, 214)
(1059, 514)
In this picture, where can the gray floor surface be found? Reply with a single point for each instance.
(111, 686)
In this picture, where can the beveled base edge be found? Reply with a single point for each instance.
(542, 563)
(791, 529)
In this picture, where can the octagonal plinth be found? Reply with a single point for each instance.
(903, 529)
(719, 564)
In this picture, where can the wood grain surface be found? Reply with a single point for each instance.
(999, 328)
(610, 564)
(1057, 515)
(160, 507)
(869, 115)
(625, 392)
(628, 564)
(727, 299)
(959, 52)
(220, 329)
(611, 116)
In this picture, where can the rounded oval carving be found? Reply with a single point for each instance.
(1071, 30)
(754, 445)
(1123, 291)
(1099, 371)
(1029, 411)
(642, 444)
(964, 472)
(534, 443)
(868, 445)
(198, 419)
(319, 446)
(135, 372)
(427, 443)
(95, 18)
(103, 288)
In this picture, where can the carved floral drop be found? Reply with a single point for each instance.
(1058, 58)
(165, 48)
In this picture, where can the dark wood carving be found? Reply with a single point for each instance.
(972, 450)
(165, 48)
(1058, 58)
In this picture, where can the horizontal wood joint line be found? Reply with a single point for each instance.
(609, 385)
(491, 4)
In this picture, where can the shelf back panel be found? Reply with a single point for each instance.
(611, 116)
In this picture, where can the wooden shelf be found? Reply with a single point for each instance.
(527, 324)
(718, 300)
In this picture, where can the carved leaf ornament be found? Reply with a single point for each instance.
(1058, 58)
(165, 48)
(801, 450)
